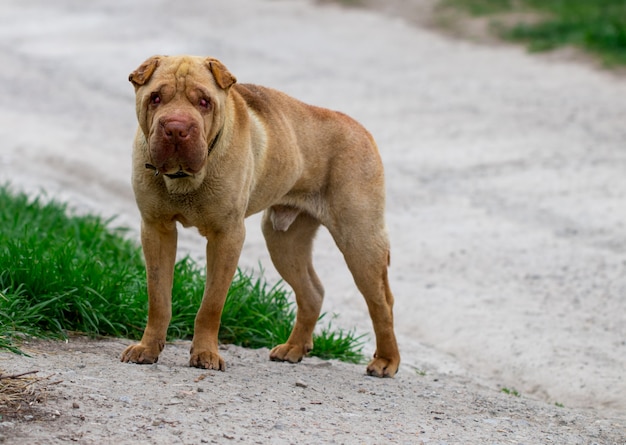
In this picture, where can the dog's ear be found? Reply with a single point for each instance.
(222, 76)
(142, 74)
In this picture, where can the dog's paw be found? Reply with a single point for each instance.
(141, 354)
(207, 360)
(289, 353)
(382, 367)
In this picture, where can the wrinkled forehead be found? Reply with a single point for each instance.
(184, 73)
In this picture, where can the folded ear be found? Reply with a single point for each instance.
(222, 76)
(142, 74)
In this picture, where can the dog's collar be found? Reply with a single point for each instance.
(182, 174)
(214, 142)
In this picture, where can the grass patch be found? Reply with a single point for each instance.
(62, 273)
(511, 392)
(20, 395)
(596, 26)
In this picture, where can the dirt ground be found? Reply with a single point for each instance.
(95, 399)
(506, 188)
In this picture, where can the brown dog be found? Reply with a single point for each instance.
(208, 153)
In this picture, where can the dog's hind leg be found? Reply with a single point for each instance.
(365, 246)
(289, 236)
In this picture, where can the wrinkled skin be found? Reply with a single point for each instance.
(208, 153)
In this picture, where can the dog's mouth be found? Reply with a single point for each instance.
(179, 174)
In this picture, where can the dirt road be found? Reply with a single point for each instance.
(506, 189)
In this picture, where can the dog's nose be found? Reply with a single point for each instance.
(176, 130)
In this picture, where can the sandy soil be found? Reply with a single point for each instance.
(95, 399)
(506, 188)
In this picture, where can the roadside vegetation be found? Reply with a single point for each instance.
(595, 26)
(62, 274)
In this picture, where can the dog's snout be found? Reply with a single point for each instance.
(176, 130)
(177, 145)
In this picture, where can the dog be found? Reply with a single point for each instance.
(209, 152)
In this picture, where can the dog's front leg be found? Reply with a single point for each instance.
(159, 248)
(223, 251)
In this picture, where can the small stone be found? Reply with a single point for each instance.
(301, 384)
(75, 405)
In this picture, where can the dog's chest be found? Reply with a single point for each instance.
(207, 215)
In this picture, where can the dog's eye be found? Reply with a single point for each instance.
(155, 98)
(205, 103)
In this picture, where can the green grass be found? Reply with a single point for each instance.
(596, 26)
(480, 7)
(511, 392)
(61, 273)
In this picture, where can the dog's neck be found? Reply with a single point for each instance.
(214, 142)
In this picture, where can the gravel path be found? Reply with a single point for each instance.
(94, 399)
(506, 188)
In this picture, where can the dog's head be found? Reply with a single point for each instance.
(181, 110)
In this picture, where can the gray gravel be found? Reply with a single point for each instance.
(95, 399)
(506, 189)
